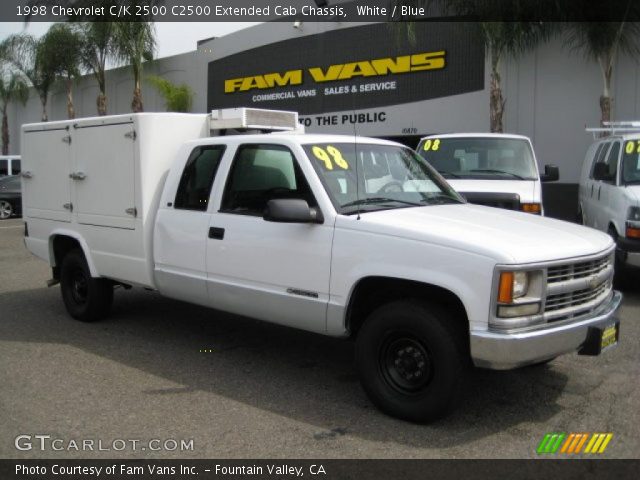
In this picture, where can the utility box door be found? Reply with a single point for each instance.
(104, 175)
(46, 163)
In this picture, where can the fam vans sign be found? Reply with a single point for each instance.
(353, 68)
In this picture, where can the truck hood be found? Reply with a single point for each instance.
(526, 189)
(507, 236)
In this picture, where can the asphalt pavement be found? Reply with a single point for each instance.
(232, 387)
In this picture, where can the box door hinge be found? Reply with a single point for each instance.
(132, 211)
(67, 139)
(132, 135)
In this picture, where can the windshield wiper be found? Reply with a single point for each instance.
(377, 200)
(449, 174)
(489, 170)
(443, 198)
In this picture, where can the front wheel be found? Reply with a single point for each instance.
(86, 298)
(411, 360)
(6, 210)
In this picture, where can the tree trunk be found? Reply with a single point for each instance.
(136, 104)
(45, 116)
(71, 112)
(606, 102)
(496, 101)
(101, 103)
(5, 132)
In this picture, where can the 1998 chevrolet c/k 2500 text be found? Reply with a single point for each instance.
(344, 236)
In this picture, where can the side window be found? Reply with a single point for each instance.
(4, 167)
(197, 178)
(15, 166)
(599, 157)
(261, 173)
(612, 161)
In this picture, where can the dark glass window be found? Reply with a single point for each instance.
(600, 155)
(15, 166)
(612, 162)
(4, 167)
(261, 173)
(195, 184)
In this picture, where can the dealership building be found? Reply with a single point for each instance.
(369, 79)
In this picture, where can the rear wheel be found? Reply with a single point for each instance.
(86, 298)
(411, 360)
(6, 210)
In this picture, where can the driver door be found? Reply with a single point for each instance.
(277, 272)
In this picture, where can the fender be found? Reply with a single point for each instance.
(83, 245)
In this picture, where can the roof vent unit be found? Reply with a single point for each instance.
(254, 119)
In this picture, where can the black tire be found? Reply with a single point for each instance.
(397, 341)
(6, 210)
(86, 298)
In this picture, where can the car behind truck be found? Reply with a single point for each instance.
(339, 235)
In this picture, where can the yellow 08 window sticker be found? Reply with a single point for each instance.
(632, 146)
(330, 156)
(432, 144)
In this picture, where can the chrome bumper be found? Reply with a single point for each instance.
(504, 351)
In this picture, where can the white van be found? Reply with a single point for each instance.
(9, 165)
(497, 170)
(609, 194)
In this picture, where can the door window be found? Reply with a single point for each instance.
(612, 162)
(195, 184)
(261, 173)
(600, 155)
(4, 167)
(15, 166)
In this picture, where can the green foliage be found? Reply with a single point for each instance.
(14, 87)
(61, 49)
(177, 98)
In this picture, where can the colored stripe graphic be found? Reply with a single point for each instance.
(573, 443)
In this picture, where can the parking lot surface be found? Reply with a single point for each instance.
(163, 369)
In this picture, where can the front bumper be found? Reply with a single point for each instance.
(504, 351)
(628, 251)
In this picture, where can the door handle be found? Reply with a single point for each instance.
(27, 174)
(591, 194)
(599, 188)
(216, 233)
(78, 175)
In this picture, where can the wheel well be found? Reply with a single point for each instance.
(373, 292)
(62, 245)
(612, 228)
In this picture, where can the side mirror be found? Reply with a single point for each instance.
(601, 171)
(291, 210)
(551, 173)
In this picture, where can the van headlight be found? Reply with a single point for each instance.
(519, 293)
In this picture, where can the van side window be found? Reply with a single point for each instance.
(261, 173)
(599, 156)
(15, 166)
(612, 162)
(195, 184)
(4, 167)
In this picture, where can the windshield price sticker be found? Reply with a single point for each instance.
(433, 145)
(330, 156)
(633, 146)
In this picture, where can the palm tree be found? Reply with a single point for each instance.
(24, 52)
(135, 43)
(98, 48)
(13, 88)
(500, 38)
(61, 49)
(602, 42)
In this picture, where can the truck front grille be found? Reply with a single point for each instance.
(575, 289)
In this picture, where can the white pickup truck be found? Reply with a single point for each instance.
(339, 235)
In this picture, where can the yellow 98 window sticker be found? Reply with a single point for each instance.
(431, 145)
(330, 157)
(632, 146)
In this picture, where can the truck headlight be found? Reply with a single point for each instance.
(632, 229)
(519, 293)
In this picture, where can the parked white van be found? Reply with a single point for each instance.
(497, 170)
(9, 165)
(609, 194)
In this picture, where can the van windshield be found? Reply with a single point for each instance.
(366, 177)
(631, 162)
(480, 157)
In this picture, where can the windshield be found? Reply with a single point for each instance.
(384, 177)
(480, 157)
(631, 162)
